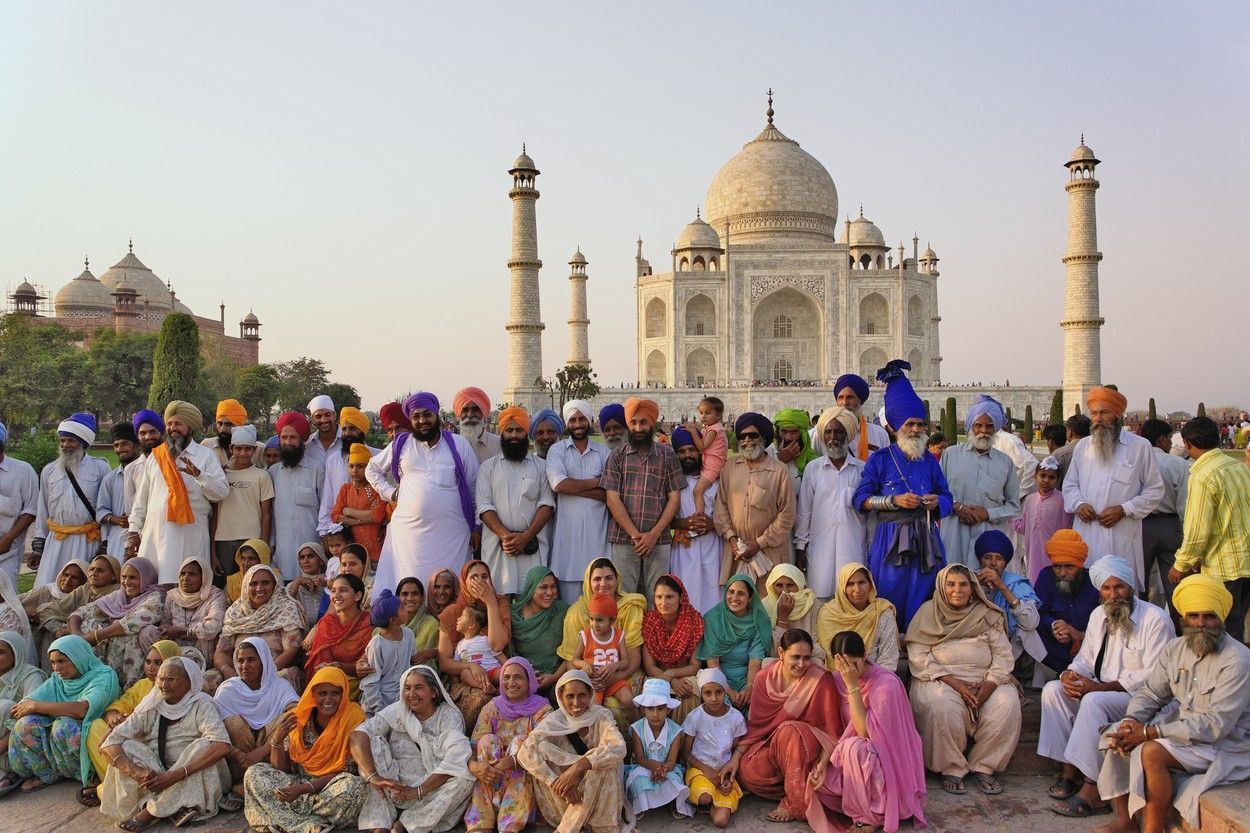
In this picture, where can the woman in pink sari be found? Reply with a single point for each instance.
(875, 776)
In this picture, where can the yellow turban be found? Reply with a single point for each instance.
(359, 453)
(186, 412)
(1113, 400)
(1202, 594)
(514, 413)
(1067, 547)
(232, 410)
(641, 407)
(354, 416)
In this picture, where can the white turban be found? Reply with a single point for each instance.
(243, 435)
(848, 419)
(1109, 566)
(577, 406)
(321, 403)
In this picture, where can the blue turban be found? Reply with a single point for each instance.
(4, 432)
(272, 442)
(382, 608)
(546, 415)
(81, 426)
(855, 383)
(680, 437)
(151, 418)
(993, 540)
(613, 412)
(901, 401)
(988, 406)
(753, 420)
(421, 400)
(1108, 566)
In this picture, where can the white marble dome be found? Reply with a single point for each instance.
(698, 235)
(865, 234)
(83, 295)
(141, 279)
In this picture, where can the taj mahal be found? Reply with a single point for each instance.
(767, 297)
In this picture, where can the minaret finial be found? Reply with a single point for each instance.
(770, 113)
(1082, 138)
(86, 263)
(861, 209)
(522, 147)
(697, 215)
(132, 245)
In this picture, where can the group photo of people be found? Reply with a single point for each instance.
(573, 618)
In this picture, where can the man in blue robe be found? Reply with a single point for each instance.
(1066, 598)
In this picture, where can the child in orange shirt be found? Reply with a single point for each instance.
(358, 507)
(605, 654)
(712, 444)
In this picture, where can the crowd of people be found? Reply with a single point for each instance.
(530, 624)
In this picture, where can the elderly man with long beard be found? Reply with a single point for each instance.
(983, 483)
(1112, 483)
(754, 508)
(574, 466)
(353, 425)
(1161, 757)
(472, 408)
(430, 474)
(829, 531)
(1123, 642)
(180, 481)
(1066, 598)
(65, 523)
(904, 486)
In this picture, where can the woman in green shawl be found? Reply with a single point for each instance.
(422, 623)
(736, 637)
(538, 624)
(48, 737)
(17, 680)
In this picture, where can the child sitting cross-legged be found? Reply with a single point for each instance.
(656, 778)
(711, 762)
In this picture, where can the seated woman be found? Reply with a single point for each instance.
(412, 754)
(251, 705)
(856, 607)
(123, 625)
(736, 637)
(103, 577)
(538, 624)
(503, 795)
(119, 710)
(875, 775)
(961, 683)
(309, 587)
(794, 722)
(48, 738)
(166, 759)
(352, 561)
(194, 612)
(12, 614)
(444, 589)
(251, 552)
(343, 633)
(269, 614)
(790, 603)
(670, 636)
(602, 577)
(470, 689)
(310, 782)
(418, 619)
(17, 680)
(575, 755)
(72, 576)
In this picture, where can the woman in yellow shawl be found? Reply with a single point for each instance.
(251, 552)
(310, 782)
(856, 607)
(790, 603)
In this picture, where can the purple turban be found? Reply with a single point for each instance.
(988, 406)
(421, 400)
(758, 421)
(80, 426)
(614, 412)
(993, 540)
(855, 383)
(680, 437)
(901, 401)
(272, 442)
(546, 415)
(385, 605)
(151, 418)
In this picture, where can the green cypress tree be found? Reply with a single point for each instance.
(1202, 409)
(176, 364)
(952, 423)
(1151, 409)
(1027, 433)
(1011, 423)
(928, 413)
(1056, 408)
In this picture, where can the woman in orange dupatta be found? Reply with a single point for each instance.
(310, 782)
(794, 721)
(469, 689)
(340, 637)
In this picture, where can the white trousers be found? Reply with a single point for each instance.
(1071, 728)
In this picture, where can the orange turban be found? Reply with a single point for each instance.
(359, 453)
(641, 407)
(1067, 547)
(354, 416)
(232, 410)
(1113, 400)
(514, 413)
(475, 395)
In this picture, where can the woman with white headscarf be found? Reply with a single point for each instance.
(12, 614)
(175, 722)
(417, 741)
(17, 680)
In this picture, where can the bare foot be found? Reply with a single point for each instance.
(780, 815)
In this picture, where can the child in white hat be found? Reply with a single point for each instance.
(655, 778)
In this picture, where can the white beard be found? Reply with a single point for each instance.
(472, 430)
(913, 447)
(614, 442)
(70, 460)
(836, 452)
(981, 443)
(751, 453)
(1103, 440)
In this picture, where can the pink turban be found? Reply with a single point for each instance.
(475, 395)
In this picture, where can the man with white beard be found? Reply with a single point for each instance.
(65, 524)
(829, 531)
(574, 466)
(1112, 483)
(612, 426)
(1123, 642)
(904, 485)
(472, 407)
(851, 391)
(982, 481)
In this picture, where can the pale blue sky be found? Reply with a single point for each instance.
(342, 169)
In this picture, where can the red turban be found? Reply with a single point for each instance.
(475, 395)
(297, 421)
(1113, 400)
(641, 407)
(392, 414)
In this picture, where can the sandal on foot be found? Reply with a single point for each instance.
(1064, 788)
(953, 785)
(1075, 807)
(34, 785)
(88, 797)
(230, 803)
(10, 783)
(988, 785)
(133, 825)
(184, 816)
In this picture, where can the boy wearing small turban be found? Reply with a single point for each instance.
(230, 415)
(357, 508)
(248, 511)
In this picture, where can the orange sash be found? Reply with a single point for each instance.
(863, 439)
(91, 529)
(178, 508)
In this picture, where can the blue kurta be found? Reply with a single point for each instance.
(1054, 606)
(889, 472)
(1021, 589)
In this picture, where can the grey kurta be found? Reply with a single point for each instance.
(1214, 712)
(514, 491)
(296, 502)
(987, 480)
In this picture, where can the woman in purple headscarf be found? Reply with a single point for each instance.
(503, 797)
(123, 625)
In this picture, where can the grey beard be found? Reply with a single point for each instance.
(472, 430)
(836, 451)
(913, 447)
(1203, 641)
(1119, 616)
(176, 443)
(614, 442)
(1104, 439)
(1066, 586)
(981, 442)
(71, 459)
(751, 453)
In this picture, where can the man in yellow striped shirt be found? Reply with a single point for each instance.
(1217, 519)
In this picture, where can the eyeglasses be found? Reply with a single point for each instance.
(753, 435)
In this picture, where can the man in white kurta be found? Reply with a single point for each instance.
(325, 439)
(829, 532)
(65, 526)
(696, 551)
(117, 490)
(1112, 483)
(1096, 688)
(19, 503)
(153, 534)
(983, 483)
(353, 425)
(297, 485)
(430, 529)
(574, 466)
(515, 503)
